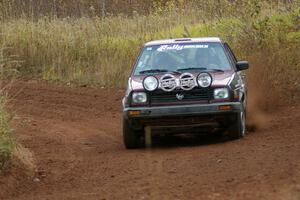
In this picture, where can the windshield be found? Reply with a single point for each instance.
(181, 57)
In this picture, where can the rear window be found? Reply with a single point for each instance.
(173, 57)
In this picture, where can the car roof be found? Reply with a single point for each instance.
(183, 40)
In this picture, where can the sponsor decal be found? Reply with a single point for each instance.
(178, 47)
(168, 82)
(187, 81)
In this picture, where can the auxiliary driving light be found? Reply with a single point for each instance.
(150, 83)
(204, 80)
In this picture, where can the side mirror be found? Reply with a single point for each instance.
(242, 65)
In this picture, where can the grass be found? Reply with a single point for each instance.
(272, 45)
(96, 51)
(84, 50)
(7, 144)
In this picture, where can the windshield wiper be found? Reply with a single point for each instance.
(200, 68)
(192, 68)
(216, 70)
(157, 71)
(153, 71)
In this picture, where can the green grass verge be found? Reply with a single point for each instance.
(7, 144)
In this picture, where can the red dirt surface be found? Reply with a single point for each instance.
(75, 137)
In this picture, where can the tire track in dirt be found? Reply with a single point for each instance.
(75, 136)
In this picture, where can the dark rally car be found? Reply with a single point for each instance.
(187, 85)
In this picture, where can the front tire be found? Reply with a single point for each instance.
(238, 129)
(131, 137)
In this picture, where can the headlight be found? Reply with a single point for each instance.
(150, 83)
(221, 93)
(139, 97)
(204, 80)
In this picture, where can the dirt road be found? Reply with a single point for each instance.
(75, 137)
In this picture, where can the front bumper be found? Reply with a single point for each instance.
(182, 110)
(197, 118)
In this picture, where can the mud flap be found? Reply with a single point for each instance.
(148, 137)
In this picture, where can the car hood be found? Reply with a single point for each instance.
(219, 79)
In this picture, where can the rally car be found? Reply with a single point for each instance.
(185, 85)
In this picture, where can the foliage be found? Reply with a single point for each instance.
(92, 50)
(270, 43)
(7, 144)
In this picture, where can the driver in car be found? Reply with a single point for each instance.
(206, 59)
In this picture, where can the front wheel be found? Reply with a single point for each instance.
(131, 137)
(238, 129)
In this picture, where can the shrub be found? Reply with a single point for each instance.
(6, 142)
(102, 51)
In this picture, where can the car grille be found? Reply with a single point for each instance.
(196, 95)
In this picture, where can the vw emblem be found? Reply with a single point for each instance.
(179, 96)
